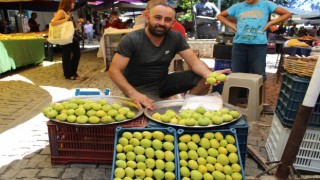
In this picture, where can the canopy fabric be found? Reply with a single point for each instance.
(14, 0)
(122, 6)
(36, 5)
(315, 14)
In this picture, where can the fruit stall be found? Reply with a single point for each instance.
(19, 50)
(166, 143)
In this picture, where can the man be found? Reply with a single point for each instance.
(250, 43)
(207, 25)
(140, 65)
(34, 26)
(115, 21)
(293, 30)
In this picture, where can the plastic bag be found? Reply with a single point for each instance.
(210, 102)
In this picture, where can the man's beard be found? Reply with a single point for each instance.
(158, 30)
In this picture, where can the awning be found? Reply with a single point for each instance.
(315, 14)
(36, 5)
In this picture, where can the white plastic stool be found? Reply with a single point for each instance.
(251, 105)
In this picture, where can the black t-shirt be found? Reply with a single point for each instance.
(148, 63)
(34, 27)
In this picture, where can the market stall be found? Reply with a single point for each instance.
(108, 43)
(30, 52)
(20, 52)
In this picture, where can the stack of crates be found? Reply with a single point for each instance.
(222, 60)
(85, 143)
(291, 95)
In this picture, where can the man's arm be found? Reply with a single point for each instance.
(222, 18)
(198, 66)
(284, 15)
(119, 63)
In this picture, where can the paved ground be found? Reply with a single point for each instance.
(25, 153)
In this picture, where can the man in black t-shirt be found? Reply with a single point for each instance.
(34, 26)
(140, 65)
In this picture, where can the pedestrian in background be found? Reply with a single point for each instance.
(88, 29)
(115, 21)
(302, 31)
(34, 26)
(97, 29)
(207, 26)
(70, 52)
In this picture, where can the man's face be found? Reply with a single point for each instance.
(160, 20)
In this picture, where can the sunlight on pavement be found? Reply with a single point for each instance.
(32, 135)
(271, 61)
(17, 77)
(49, 63)
(24, 139)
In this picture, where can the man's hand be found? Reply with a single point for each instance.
(224, 71)
(267, 26)
(142, 101)
(216, 80)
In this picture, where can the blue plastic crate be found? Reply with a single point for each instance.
(90, 92)
(218, 88)
(295, 83)
(168, 130)
(225, 132)
(241, 127)
(291, 95)
(220, 64)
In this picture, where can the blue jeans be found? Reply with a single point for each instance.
(249, 58)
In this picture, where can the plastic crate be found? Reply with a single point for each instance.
(168, 130)
(85, 143)
(241, 127)
(308, 157)
(220, 64)
(225, 132)
(91, 91)
(291, 95)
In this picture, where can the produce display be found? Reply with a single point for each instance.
(198, 117)
(91, 111)
(214, 77)
(145, 155)
(20, 36)
(209, 156)
(295, 42)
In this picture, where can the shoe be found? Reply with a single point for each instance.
(73, 78)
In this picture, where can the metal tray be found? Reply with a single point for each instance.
(175, 105)
(125, 102)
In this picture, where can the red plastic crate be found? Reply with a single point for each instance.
(85, 143)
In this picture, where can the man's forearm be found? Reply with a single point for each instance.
(201, 69)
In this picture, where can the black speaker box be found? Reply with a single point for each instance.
(222, 51)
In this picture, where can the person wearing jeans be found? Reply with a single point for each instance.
(88, 29)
